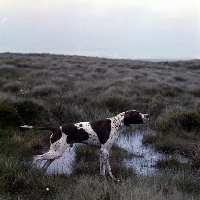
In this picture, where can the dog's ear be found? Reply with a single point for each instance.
(127, 117)
(128, 114)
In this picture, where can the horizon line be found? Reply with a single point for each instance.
(107, 57)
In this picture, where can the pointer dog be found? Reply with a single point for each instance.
(99, 133)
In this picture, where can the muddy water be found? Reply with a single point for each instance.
(143, 160)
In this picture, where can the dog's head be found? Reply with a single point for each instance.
(135, 117)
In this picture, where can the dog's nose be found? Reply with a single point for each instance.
(147, 115)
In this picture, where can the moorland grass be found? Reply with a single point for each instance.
(49, 89)
(9, 118)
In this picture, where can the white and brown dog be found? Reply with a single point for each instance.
(98, 133)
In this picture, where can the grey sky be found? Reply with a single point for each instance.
(137, 29)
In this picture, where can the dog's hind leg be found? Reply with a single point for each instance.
(102, 161)
(46, 165)
(55, 152)
(48, 156)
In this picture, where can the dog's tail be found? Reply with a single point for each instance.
(39, 128)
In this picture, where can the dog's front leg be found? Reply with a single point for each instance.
(102, 161)
(108, 168)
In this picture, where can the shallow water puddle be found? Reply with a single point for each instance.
(142, 163)
(144, 156)
(62, 165)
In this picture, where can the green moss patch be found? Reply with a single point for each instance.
(9, 118)
(31, 112)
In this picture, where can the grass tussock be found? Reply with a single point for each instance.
(9, 118)
(31, 112)
(163, 90)
(116, 103)
(180, 120)
(44, 89)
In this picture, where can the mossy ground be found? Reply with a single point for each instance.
(44, 89)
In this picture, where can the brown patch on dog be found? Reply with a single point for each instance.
(57, 134)
(102, 128)
(74, 135)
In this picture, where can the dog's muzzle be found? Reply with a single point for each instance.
(145, 118)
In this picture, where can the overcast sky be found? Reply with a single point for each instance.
(136, 29)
